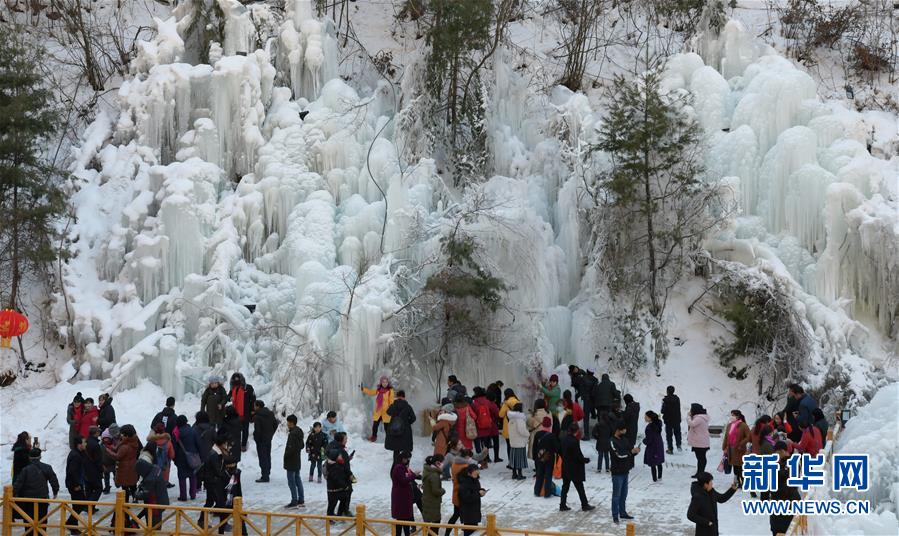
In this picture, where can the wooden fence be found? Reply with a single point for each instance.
(93, 518)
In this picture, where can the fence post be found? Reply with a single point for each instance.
(237, 516)
(360, 520)
(119, 514)
(491, 525)
(631, 529)
(7, 509)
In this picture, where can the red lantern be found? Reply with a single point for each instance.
(12, 324)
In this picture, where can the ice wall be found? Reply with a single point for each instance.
(809, 188)
(217, 229)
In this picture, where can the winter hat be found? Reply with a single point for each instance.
(554, 378)
(114, 431)
(78, 398)
(215, 378)
(384, 378)
(34, 454)
(159, 428)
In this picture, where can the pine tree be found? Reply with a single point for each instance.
(653, 193)
(30, 194)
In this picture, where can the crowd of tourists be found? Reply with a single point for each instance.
(542, 443)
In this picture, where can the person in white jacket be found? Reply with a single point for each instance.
(518, 441)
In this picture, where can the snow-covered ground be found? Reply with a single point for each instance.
(659, 508)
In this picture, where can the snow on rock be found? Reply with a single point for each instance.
(872, 431)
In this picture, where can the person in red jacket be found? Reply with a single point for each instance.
(242, 397)
(486, 415)
(89, 415)
(464, 413)
(811, 442)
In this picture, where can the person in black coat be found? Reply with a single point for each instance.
(293, 461)
(671, 417)
(588, 382)
(704, 501)
(214, 475)
(20, 450)
(573, 462)
(339, 476)
(399, 431)
(264, 426)
(83, 479)
(623, 451)
(602, 433)
(231, 427)
(780, 524)
(167, 416)
(186, 443)
(205, 433)
(631, 417)
(107, 412)
(470, 493)
(32, 483)
(604, 394)
(821, 424)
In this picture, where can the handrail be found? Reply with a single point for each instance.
(118, 518)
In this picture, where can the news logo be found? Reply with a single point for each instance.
(849, 471)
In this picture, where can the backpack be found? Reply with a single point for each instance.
(484, 419)
(471, 430)
(396, 426)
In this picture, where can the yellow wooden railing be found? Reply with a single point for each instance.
(799, 525)
(119, 518)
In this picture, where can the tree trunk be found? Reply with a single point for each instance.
(15, 258)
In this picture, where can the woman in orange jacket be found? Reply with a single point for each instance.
(383, 394)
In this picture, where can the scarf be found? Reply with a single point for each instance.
(379, 401)
(732, 433)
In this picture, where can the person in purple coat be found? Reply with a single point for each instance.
(402, 497)
(654, 454)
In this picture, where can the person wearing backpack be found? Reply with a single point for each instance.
(153, 487)
(487, 414)
(444, 429)
(546, 447)
(399, 431)
(466, 423)
(214, 475)
(165, 451)
(187, 458)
